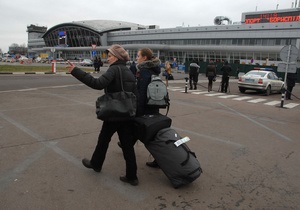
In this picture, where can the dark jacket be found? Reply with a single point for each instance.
(291, 79)
(226, 69)
(211, 70)
(194, 68)
(110, 79)
(133, 68)
(145, 71)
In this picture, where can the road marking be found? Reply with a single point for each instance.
(228, 96)
(176, 89)
(257, 100)
(233, 97)
(290, 105)
(190, 91)
(242, 98)
(214, 94)
(272, 103)
(199, 92)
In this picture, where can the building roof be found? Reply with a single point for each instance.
(100, 26)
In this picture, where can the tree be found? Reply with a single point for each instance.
(17, 49)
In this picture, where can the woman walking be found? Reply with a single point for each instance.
(111, 81)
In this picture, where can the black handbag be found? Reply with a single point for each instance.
(118, 106)
(170, 77)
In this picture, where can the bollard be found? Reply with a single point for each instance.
(186, 84)
(54, 66)
(283, 91)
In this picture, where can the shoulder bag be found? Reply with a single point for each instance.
(117, 106)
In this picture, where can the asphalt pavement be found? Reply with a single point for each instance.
(248, 150)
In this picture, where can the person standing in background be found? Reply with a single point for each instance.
(99, 64)
(291, 79)
(133, 68)
(211, 73)
(167, 72)
(193, 75)
(96, 64)
(226, 69)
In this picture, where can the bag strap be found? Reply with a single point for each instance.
(119, 70)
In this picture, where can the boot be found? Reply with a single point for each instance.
(195, 86)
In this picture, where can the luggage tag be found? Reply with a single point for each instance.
(181, 141)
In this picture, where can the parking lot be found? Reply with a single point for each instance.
(249, 151)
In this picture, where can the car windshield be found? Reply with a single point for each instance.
(258, 73)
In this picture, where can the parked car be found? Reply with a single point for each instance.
(8, 59)
(86, 62)
(261, 79)
(22, 58)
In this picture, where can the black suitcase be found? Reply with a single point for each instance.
(147, 126)
(178, 163)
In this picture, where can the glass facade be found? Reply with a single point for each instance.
(75, 37)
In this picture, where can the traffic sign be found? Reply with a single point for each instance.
(291, 68)
(289, 53)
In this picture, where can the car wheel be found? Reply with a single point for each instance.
(242, 90)
(268, 90)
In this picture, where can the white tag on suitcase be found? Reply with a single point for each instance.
(181, 141)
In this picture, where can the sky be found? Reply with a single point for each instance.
(18, 14)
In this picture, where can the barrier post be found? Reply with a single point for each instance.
(186, 84)
(54, 66)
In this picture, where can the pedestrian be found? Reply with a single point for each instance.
(168, 72)
(95, 64)
(133, 68)
(147, 65)
(226, 69)
(291, 79)
(99, 64)
(211, 74)
(193, 75)
(110, 81)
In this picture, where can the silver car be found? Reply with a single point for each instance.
(263, 80)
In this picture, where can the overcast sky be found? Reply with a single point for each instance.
(16, 15)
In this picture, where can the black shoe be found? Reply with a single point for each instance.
(87, 164)
(119, 144)
(133, 182)
(152, 164)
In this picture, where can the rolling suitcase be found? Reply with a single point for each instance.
(174, 157)
(147, 126)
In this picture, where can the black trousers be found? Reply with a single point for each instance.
(289, 92)
(225, 82)
(193, 77)
(125, 133)
(210, 82)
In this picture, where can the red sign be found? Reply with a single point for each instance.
(273, 17)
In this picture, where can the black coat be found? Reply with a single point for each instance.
(291, 79)
(226, 69)
(110, 79)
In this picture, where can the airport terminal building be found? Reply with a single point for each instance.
(257, 39)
